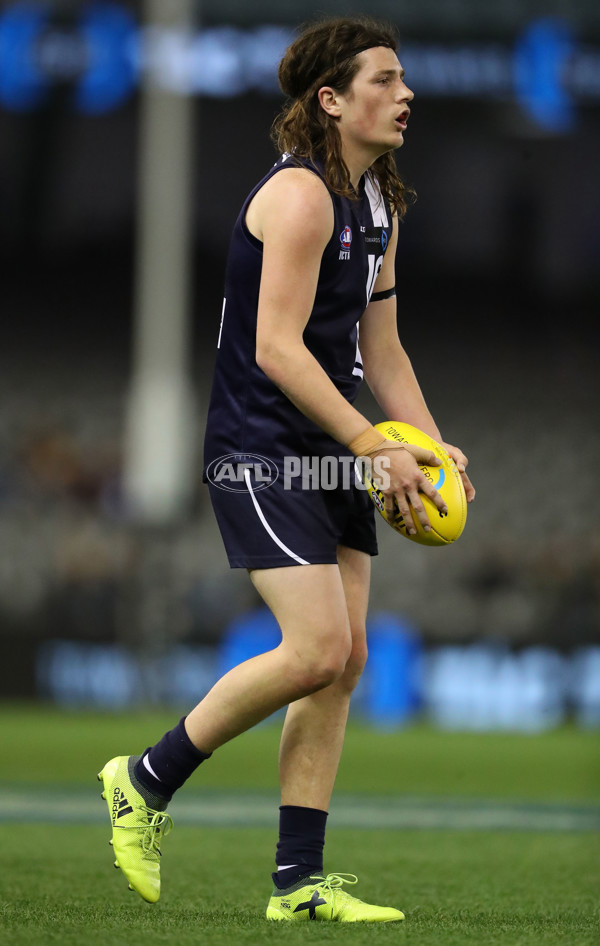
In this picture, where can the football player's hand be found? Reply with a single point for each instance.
(402, 482)
(462, 464)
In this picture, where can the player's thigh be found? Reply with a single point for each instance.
(309, 604)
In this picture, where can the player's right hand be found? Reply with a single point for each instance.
(405, 482)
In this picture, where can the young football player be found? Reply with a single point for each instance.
(312, 258)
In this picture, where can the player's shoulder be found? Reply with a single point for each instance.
(299, 184)
(295, 197)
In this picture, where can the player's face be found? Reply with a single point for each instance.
(374, 111)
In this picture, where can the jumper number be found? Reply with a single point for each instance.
(375, 264)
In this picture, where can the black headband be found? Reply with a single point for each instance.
(362, 49)
(355, 52)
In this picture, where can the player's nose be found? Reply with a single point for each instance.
(405, 94)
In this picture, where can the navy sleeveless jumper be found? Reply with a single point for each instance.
(249, 417)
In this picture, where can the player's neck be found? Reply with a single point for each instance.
(358, 161)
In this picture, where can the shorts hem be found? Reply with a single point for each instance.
(282, 561)
(278, 561)
(373, 551)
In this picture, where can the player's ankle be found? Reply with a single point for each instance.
(164, 768)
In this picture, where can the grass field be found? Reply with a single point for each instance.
(480, 839)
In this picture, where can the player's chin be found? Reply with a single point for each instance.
(392, 145)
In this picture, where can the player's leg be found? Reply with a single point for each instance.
(308, 766)
(310, 750)
(309, 603)
(313, 736)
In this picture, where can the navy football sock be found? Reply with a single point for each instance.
(300, 845)
(163, 768)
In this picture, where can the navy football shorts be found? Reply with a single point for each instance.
(270, 526)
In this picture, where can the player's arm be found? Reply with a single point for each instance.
(388, 369)
(292, 215)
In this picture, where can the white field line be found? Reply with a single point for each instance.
(347, 811)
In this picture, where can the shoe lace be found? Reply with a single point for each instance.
(335, 881)
(159, 825)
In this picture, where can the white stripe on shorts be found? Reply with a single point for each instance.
(275, 538)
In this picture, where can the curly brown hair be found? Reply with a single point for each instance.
(326, 53)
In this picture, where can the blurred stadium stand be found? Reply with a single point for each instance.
(499, 297)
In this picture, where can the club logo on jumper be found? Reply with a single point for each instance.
(120, 805)
(345, 240)
(242, 472)
(376, 239)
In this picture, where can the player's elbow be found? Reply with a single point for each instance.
(266, 358)
(273, 359)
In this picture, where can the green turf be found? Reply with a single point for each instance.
(456, 888)
(515, 888)
(559, 765)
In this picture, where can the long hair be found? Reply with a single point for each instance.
(326, 53)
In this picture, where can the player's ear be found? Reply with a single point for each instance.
(329, 101)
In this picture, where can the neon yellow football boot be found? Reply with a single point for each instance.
(322, 898)
(136, 829)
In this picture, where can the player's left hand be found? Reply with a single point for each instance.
(462, 463)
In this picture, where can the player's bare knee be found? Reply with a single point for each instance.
(320, 667)
(323, 670)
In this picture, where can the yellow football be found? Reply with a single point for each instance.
(445, 529)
